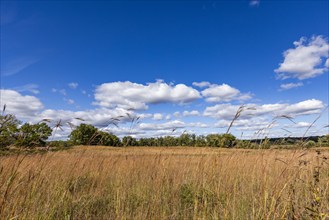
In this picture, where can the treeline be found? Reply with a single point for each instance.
(37, 135)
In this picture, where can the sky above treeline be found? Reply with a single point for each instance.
(156, 68)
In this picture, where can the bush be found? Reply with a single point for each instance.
(33, 135)
(265, 143)
(324, 141)
(243, 144)
(309, 144)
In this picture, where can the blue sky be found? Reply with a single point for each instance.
(103, 59)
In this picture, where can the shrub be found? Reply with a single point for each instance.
(265, 143)
(324, 141)
(309, 144)
(243, 144)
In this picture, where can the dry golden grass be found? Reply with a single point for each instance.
(165, 183)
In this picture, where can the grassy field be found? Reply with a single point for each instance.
(165, 183)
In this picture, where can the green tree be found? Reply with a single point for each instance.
(8, 130)
(129, 141)
(186, 139)
(200, 141)
(33, 135)
(170, 141)
(84, 134)
(107, 139)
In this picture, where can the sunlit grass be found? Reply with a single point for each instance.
(165, 183)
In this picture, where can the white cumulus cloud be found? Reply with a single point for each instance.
(138, 96)
(163, 126)
(306, 60)
(23, 106)
(227, 111)
(223, 93)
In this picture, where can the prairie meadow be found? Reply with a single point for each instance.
(94, 182)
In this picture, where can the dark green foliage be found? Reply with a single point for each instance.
(170, 141)
(8, 130)
(148, 142)
(186, 140)
(129, 141)
(243, 144)
(200, 141)
(192, 140)
(84, 135)
(33, 135)
(107, 139)
(89, 135)
(221, 140)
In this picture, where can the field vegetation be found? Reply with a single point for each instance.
(92, 182)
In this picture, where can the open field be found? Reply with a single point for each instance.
(165, 183)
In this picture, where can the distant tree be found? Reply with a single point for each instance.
(200, 141)
(33, 135)
(8, 129)
(144, 142)
(186, 139)
(107, 139)
(221, 140)
(170, 141)
(129, 141)
(213, 140)
(84, 134)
